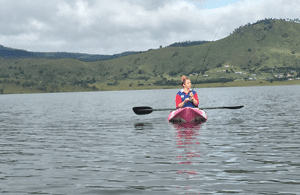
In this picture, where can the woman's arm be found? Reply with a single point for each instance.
(179, 102)
(195, 102)
(195, 99)
(182, 103)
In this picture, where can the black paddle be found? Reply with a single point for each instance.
(147, 110)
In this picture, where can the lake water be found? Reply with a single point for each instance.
(93, 143)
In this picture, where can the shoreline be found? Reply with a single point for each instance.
(204, 85)
(14, 89)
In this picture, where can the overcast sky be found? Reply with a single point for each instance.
(115, 26)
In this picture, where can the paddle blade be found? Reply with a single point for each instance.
(142, 110)
(234, 107)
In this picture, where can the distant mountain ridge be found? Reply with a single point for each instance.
(6, 52)
(187, 43)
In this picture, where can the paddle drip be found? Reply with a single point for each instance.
(205, 58)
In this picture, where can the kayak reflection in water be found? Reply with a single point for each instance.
(186, 97)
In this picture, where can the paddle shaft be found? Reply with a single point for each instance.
(207, 108)
(147, 110)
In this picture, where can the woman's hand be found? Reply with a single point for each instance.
(186, 100)
(193, 99)
(191, 95)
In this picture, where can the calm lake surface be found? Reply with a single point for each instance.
(93, 143)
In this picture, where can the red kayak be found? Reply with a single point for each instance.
(187, 115)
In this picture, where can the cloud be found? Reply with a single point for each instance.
(115, 26)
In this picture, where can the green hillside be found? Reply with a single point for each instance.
(262, 50)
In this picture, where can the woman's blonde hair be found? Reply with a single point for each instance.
(183, 79)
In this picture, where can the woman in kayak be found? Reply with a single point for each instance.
(185, 97)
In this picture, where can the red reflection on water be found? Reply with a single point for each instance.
(186, 138)
(187, 172)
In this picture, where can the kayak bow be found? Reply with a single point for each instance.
(187, 115)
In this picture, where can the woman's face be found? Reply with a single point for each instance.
(188, 83)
